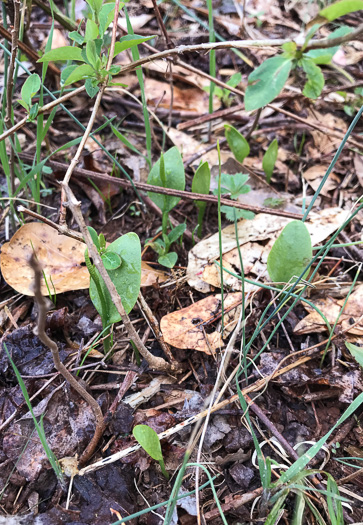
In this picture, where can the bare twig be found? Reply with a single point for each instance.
(177, 193)
(154, 362)
(44, 109)
(156, 329)
(242, 44)
(52, 345)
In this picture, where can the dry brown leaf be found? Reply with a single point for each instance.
(150, 276)
(191, 99)
(263, 227)
(314, 176)
(187, 328)
(188, 146)
(331, 307)
(324, 143)
(137, 22)
(61, 257)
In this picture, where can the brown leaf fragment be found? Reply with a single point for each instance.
(61, 257)
(187, 328)
(331, 307)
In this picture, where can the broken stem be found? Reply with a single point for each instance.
(52, 345)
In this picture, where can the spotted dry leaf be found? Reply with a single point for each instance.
(189, 327)
(61, 258)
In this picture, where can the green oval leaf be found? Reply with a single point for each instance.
(149, 440)
(266, 82)
(315, 83)
(344, 7)
(201, 183)
(168, 260)
(62, 53)
(129, 41)
(290, 254)
(174, 179)
(81, 72)
(269, 159)
(30, 88)
(94, 236)
(111, 260)
(356, 351)
(236, 141)
(126, 278)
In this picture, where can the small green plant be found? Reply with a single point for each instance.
(122, 260)
(234, 185)
(149, 441)
(356, 351)
(269, 160)
(92, 50)
(201, 184)
(167, 172)
(223, 93)
(30, 88)
(162, 246)
(290, 254)
(272, 202)
(352, 103)
(237, 143)
(268, 80)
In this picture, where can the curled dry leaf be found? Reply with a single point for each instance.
(188, 328)
(61, 257)
(252, 235)
(314, 176)
(331, 307)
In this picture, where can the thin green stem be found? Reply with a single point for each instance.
(105, 312)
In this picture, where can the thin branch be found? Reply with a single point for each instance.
(44, 109)
(154, 362)
(169, 191)
(52, 345)
(242, 44)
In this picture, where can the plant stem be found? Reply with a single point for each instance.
(165, 222)
(201, 211)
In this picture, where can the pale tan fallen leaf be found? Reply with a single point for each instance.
(58, 40)
(150, 276)
(187, 328)
(188, 146)
(137, 21)
(331, 307)
(323, 142)
(263, 227)
(191, 99)
(314, 176)
(61, 257)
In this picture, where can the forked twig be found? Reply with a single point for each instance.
(52, 345)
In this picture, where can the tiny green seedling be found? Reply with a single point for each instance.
(201, 184)
(269, 160)
(235, 185)
(122, 260)
(237, 143)
(167, 172)
(224, 94)
(149, 441)
(30, 88)
(162, 246)
(290, 254)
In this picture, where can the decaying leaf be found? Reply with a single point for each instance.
(61, 257)
(188, 328)
(331, 307)
(202, 272)
(314, 176)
